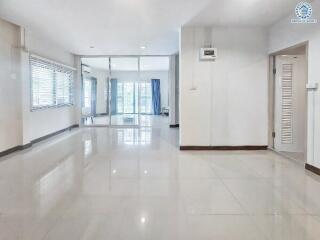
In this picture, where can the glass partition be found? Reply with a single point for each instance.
(124, 91)
(95, 104)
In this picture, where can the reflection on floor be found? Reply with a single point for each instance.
(128, 119)
(122, 183)
(99, 120)
(121, 119)
(298, 156)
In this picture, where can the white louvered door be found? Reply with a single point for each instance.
(290, 103)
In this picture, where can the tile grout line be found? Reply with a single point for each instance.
(223, 183)
(249, 215)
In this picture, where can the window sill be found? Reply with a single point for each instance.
(35, 109)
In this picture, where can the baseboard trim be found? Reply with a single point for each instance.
(312, 169)
(22, 147)
(54, 134)
(29, 145)
(225, 148)
(174, 125)
(10, 150)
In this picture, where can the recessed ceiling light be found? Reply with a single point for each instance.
(143, 47)
(143, 220)
(91, 46)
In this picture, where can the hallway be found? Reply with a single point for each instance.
(110, 183)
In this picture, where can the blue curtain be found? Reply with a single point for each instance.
(114, 89)
(93, 96)
(156, 98)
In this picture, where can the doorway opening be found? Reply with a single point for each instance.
(289, 76)
(127, 91)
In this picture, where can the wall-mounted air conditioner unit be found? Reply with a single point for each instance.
(86, 69)
(208, 54)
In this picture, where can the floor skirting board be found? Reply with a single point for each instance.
(10, 150)
(54, 134)
(22, 147)
(312, 169)
(228, 148)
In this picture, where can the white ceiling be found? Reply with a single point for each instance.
(117, 27)
(245, 12)
(128, 63)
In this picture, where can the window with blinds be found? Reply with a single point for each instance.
(51, 84)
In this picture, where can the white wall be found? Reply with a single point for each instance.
(18, 125)
(10, 95)
(177, 80)
(147, 76)
(224, 103)
(284, 34)
(43, 122)
(174, 90)
(172, 93)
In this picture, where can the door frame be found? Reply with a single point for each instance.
(272, 97)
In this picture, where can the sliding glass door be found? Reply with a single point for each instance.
(124, 91)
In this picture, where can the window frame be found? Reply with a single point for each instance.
(52, 65)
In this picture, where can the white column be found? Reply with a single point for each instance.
(172, 91)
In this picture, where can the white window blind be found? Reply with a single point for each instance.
(51, 84)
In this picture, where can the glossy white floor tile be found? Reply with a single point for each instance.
(222, 227)
(294, 227)
(120, 184)
(258, 196)
(202, 197)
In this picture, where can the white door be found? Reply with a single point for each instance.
(290, 103)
